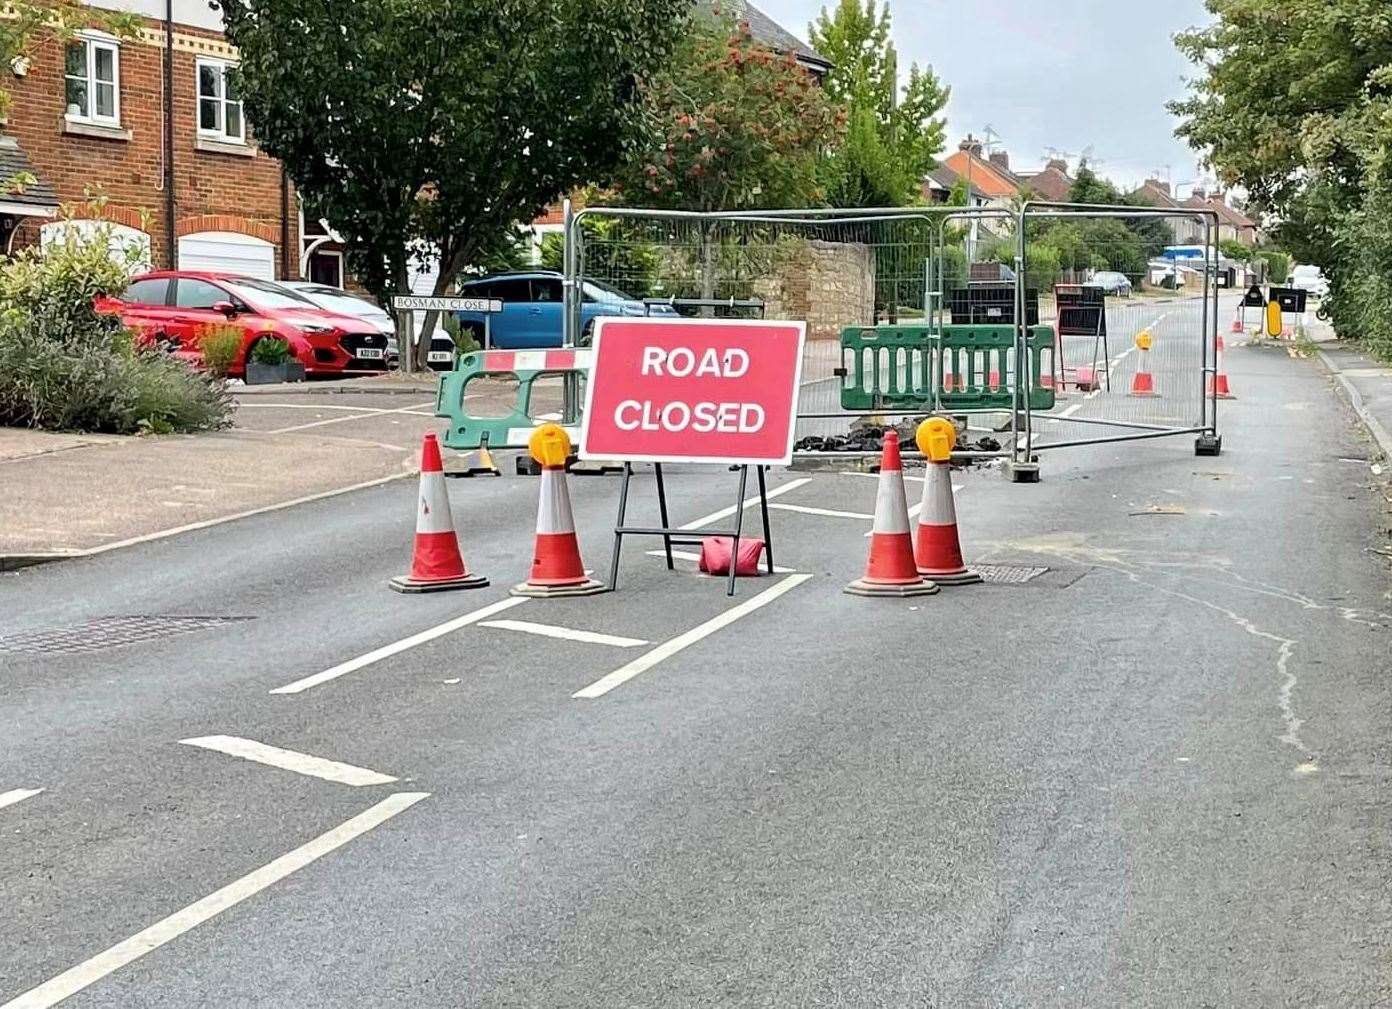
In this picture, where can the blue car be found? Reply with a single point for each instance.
(533, 308)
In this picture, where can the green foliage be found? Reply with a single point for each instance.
(619, 257)
(220, 344)
(66, 366)
(27, 21)
(736, 127)
(271, 351)
(1313, 84)
(463, 336)
(893, 136)
(1233, 249)
(1278, 264)
(432, 127)
(1043, 264)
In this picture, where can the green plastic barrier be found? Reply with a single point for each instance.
(955, 367)
(470, 431)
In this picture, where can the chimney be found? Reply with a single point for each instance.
(1000, 159)
(1058, 165)
(1159, 184)
(1199, 193)
(1218, 196)
(971, 145)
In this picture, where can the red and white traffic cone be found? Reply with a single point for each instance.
(1218, 382)
(890, 570)
(556, 566)
(1143, 382)
(437, 563)
(937, 548)
(1237, 326)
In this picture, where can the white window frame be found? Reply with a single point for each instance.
(91, 41)
(220, 133)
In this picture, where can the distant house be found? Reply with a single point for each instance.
(1232, 222)
(1052, 182)
(991, 177)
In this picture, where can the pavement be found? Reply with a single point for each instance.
(1154, 774)
(70, 495)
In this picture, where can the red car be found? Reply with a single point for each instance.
(173, 309)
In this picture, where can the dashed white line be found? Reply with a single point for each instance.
(90, 971)
(564, 633)
(386, 651)
(343, 420)
(827, 512)
(290, 760)
(667, 649)
(15, 795)
(778, 491)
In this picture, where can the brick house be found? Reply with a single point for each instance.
(151, 121)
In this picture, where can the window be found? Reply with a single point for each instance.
(219, 106)
(92, 77)
(511, 290)
(326, 268)
(546, 289)
(192, 293)
(147, 292)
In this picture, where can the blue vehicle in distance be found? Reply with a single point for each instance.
(533, 308)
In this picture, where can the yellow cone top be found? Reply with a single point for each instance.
(549, 445)
(935, 438)
(1143, 339)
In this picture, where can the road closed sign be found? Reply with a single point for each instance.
(693, 390)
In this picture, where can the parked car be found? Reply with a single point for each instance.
(533, 308)
(1111, 282)
(172, 308)
(1311, 279)
(345, 303)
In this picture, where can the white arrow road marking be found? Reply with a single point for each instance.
(73, 980)
(386, 651)
(290, 760)
(565, 633)
(667, 649)
(17, 795)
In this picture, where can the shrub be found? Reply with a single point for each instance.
(220, 344)
(66, 366)
(270, 351)
(463, 337)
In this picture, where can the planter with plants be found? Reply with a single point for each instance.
(270, 362)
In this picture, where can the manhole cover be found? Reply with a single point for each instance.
(106, 632)
(1007, 574)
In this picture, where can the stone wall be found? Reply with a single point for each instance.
(830, 285)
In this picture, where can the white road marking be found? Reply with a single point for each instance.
(304, 406)
(90, 971)
(667, 649)
(15, 795)
(706, 520)
(565, 633)
(876, 476)
(828, 512)
(358, 416)
(378, 654)
(290, 760)
(695, 558)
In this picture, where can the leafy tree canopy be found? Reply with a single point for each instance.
(435, 126)
(895, 133)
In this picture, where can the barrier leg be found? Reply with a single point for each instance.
(764, 508)
(662, 511)
(618, 525)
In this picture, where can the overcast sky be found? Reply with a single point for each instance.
(1067, 74)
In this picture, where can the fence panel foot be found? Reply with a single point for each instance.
(1021, 472)
(1208, 444)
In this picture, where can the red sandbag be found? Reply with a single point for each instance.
(715, 556)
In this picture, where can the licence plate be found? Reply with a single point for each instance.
(440, 355)
(372, 354)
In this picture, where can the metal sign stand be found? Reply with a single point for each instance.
(682, 537)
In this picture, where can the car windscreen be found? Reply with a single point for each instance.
(348, 305)
(265, 294)
(603, 292)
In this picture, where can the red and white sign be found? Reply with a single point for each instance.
(693, 390)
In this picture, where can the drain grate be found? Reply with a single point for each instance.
(107, 632)
(1007, 574)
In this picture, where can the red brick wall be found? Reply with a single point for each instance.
(213, 191)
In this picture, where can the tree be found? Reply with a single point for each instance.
(433, 127)
(1233, 249)
(737, 127)
(895, 134)
(1294, 104)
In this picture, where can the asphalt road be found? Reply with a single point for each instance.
(1155, 775)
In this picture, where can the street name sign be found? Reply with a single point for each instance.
(429, 303)
(693, 390)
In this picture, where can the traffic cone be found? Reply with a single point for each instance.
(890, 570)
(1218, 382)
(937, 548)
(1237, 320)
(556, 566)
(1143, 383)
(483, 466)
(437, 564)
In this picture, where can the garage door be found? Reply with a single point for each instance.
(227, 252)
